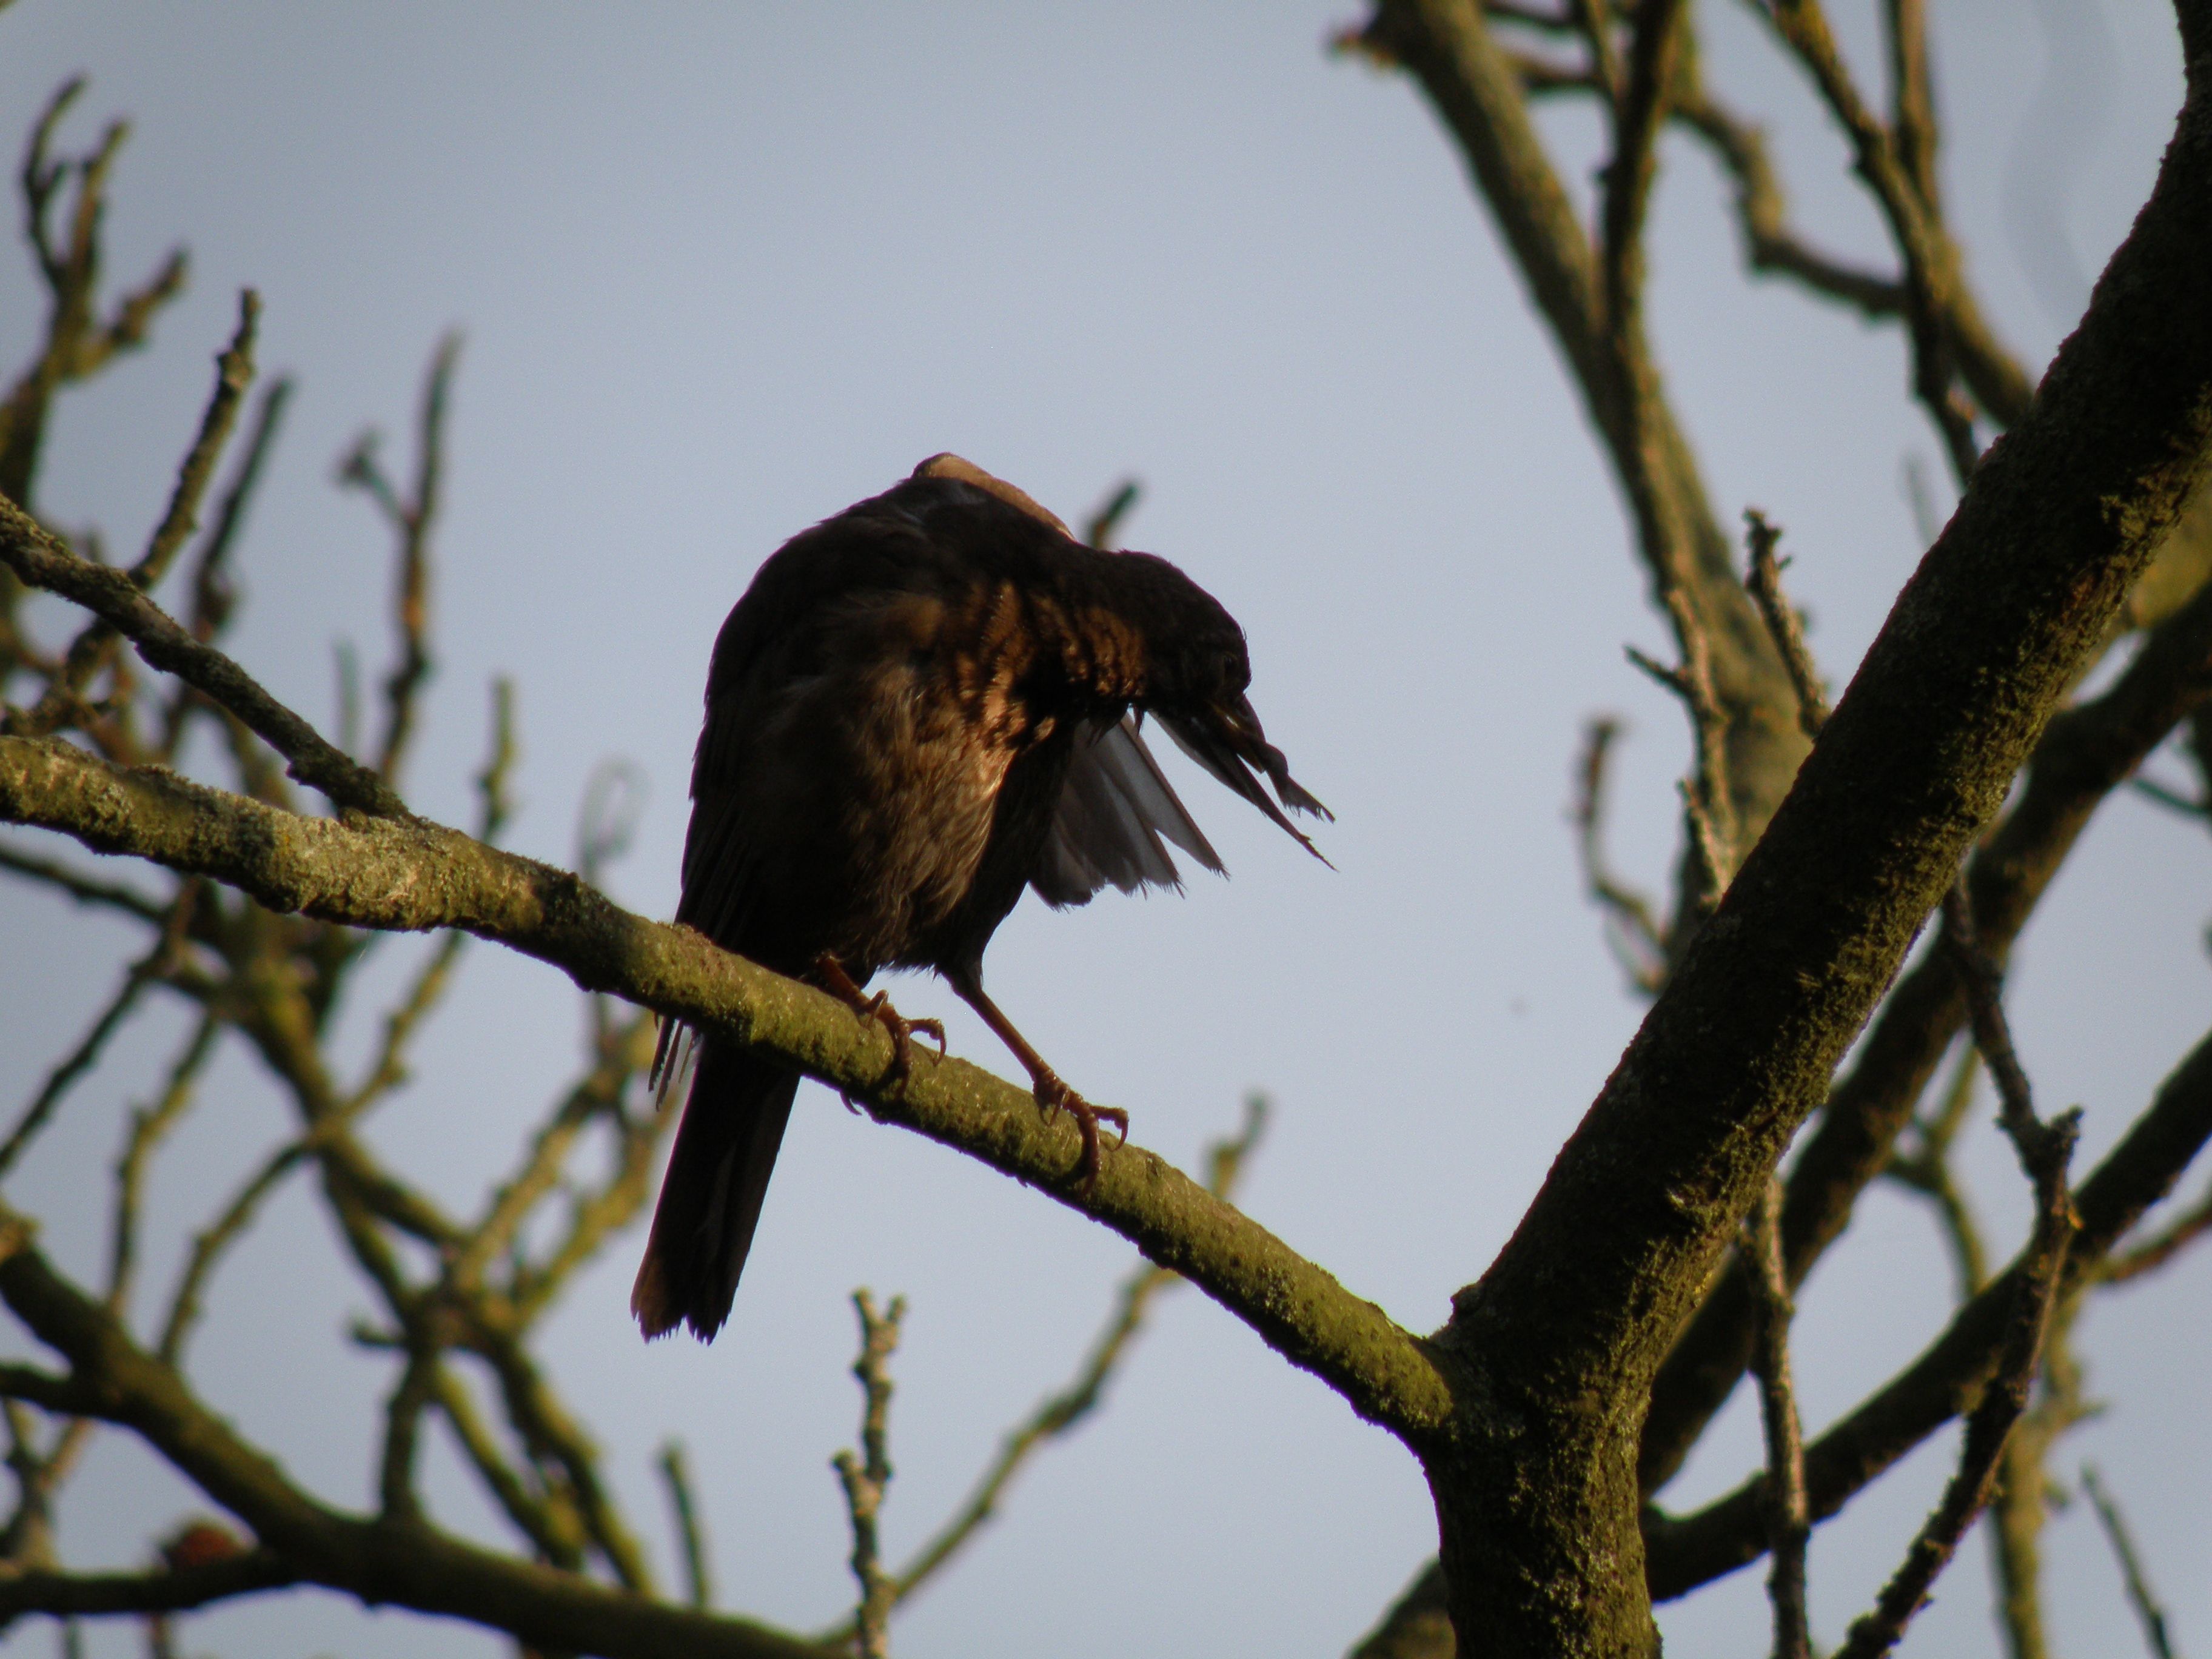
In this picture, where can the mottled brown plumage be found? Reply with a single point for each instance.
(919, 707)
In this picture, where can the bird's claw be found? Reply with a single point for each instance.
(831, 975)
(1055, 1097)
(878, 1008)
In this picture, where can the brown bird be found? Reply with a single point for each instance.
(919, 707)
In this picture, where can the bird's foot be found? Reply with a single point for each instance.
(1055, 1097)
(839, 983)
(878, 1008)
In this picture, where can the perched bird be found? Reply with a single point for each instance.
(919, 707)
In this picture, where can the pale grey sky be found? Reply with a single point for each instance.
(723, 269)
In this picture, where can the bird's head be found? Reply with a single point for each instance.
(1195, 686)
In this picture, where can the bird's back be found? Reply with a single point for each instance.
(887, 675)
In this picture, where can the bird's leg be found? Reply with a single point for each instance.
(830, 974)
(1052, 1094)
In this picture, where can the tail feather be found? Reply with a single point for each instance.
(710, 1199)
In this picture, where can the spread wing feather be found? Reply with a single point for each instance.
(1113, 810)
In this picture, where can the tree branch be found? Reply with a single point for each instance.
(1951, 1373)
(2085, 753)
(1563, 1332)
(40, 561)
(405, 1565)
(168, 1589)
(411, 874)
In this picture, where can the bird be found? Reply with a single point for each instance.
(919, 708)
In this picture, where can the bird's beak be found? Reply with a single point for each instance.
(1227, 741)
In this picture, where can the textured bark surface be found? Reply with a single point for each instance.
(1561, 1338)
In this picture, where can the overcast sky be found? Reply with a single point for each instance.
(722, 269)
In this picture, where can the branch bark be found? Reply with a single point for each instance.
(405, 873)
(407, 1564)
(2084, 754)
(1555, 1347)
(1950, 1373)
(1476, 91)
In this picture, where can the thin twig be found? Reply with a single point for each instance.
(1788, 1515)
(1705, 792)
(690, 1529)
(412, 519)
(411, 1395)
(149, 1126)
(82, 1059)
(1639, 110)
(1937, 308)
(864, 1477)
(1913, 104)
(85, 890)
(1764, 582)
(2037, 1142)
(1770, 245)
(1632, 926)
(2044, 1151)
(1604, 75)
(546, 1515)
(1925, 1167)
(1058, 1412)
(96, 641)
(41, 562)
(2140, 1596)
(2154, 1252)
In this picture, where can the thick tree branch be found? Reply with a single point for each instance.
(1561, 1336)
(409, 874)
(2085, 753)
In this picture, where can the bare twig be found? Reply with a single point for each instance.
(2154, 1252)
(1764, 582)
(1913, 104)
(1925, 1167)
(1058, 1413)
(545, 1514)
(213, 594)
(2044, 1149)
(1655, 29)
(1604, 75)
(78, 345)
(1789, 1522)
(411, 518)
(2037, 1143)
(41, 562)
(1769, 245)
(1939, 310)
(149, 1126)
(411, 1395)
(2140, 1596)
(82, 1059)
(1633, 929)
(233, 374)
(690, 1529)
(85, 890)
(1705, 797)
(865, 1476)
(95, 641)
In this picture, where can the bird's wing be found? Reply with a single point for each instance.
(1114, 808)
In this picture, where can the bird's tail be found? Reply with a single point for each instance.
(710, 1200)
